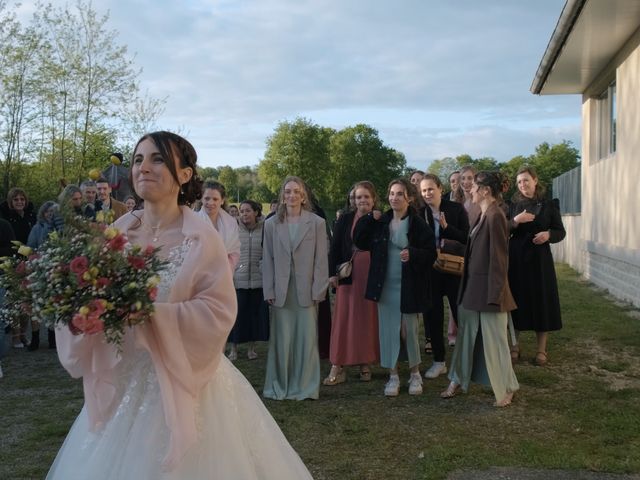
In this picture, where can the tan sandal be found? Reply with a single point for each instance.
(451, 391)
(336, 375)
(541, 359)
(365, 375)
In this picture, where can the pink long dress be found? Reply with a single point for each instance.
(354, 330)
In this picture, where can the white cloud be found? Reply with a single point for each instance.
(234, 69)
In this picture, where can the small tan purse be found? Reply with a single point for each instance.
(344, 269)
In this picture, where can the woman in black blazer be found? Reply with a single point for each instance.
(402, 248)
(448, 220)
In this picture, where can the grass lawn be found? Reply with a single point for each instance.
(580, 412)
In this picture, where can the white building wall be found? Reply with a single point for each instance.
(610, 223)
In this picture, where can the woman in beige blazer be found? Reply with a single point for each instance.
(482, 351)
(295, 276)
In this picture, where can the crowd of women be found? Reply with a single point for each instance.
(380, 266)
(171, 389)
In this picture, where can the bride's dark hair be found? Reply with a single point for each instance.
(170, 144)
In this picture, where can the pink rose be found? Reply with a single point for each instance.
(149, 250)
(88, 324)
(79, 265)
(103, 282)
(21, 268)
(136, 262)
(97, 307)
(118, 242)
(153, 293)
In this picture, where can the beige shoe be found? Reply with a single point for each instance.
(336, 375)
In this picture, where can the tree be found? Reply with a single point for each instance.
(356, 154)
(67, 91)
(443, 168)
(17, 59)
(88, 62)
(552, 161)
(229, 178)
(297, 148)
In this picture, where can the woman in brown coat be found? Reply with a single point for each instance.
(482, 349)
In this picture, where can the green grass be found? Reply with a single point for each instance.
(579, 412)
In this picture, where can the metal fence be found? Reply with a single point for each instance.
(567, 188)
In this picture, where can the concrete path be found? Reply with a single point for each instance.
(505, 473)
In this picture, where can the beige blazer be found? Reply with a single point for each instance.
(307, 257)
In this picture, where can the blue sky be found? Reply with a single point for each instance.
(435, 78)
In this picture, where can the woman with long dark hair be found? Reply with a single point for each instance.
(402, 247)
(482, 350)
(252, 322)
(170, 405)
(449, 221)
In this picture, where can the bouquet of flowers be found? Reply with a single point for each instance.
(87, 278)
(14, 271)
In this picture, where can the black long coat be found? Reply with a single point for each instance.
(532, 276)
(341, 246)
(21, 225)
(373, 235)
(457, 220)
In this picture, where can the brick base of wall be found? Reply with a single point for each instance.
(620, 279)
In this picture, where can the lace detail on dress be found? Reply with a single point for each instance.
(168, 275)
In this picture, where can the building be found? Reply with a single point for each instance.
(595, 51)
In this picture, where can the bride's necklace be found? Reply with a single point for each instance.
(156, 232)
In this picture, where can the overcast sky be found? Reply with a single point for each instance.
(435, 78)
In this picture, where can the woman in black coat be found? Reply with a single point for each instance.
(535, 223)
(19, 212)
(402, 247)
(449, 221)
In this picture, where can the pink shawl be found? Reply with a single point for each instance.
(185, 338)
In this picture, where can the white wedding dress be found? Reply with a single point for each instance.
(237, 437)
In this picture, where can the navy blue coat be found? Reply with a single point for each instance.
(373, 235)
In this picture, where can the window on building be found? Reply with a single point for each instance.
(606, 124)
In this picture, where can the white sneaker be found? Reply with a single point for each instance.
(392, 387)
(437, 369)
(233, 355)
(415, 384)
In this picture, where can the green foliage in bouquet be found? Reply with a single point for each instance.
(87, 278)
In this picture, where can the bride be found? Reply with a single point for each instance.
(171, 406)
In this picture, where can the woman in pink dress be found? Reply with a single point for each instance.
(354, 331)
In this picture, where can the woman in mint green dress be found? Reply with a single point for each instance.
(402, 247)
(295, 276)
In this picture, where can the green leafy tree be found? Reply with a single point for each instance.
(357, 153)
(297, 148)
(68, 89)
(443, 168)
(552, 161)
(229, 178)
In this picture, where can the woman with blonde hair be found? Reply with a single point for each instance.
(294, 280)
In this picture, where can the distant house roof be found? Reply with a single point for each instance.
(587, 36)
